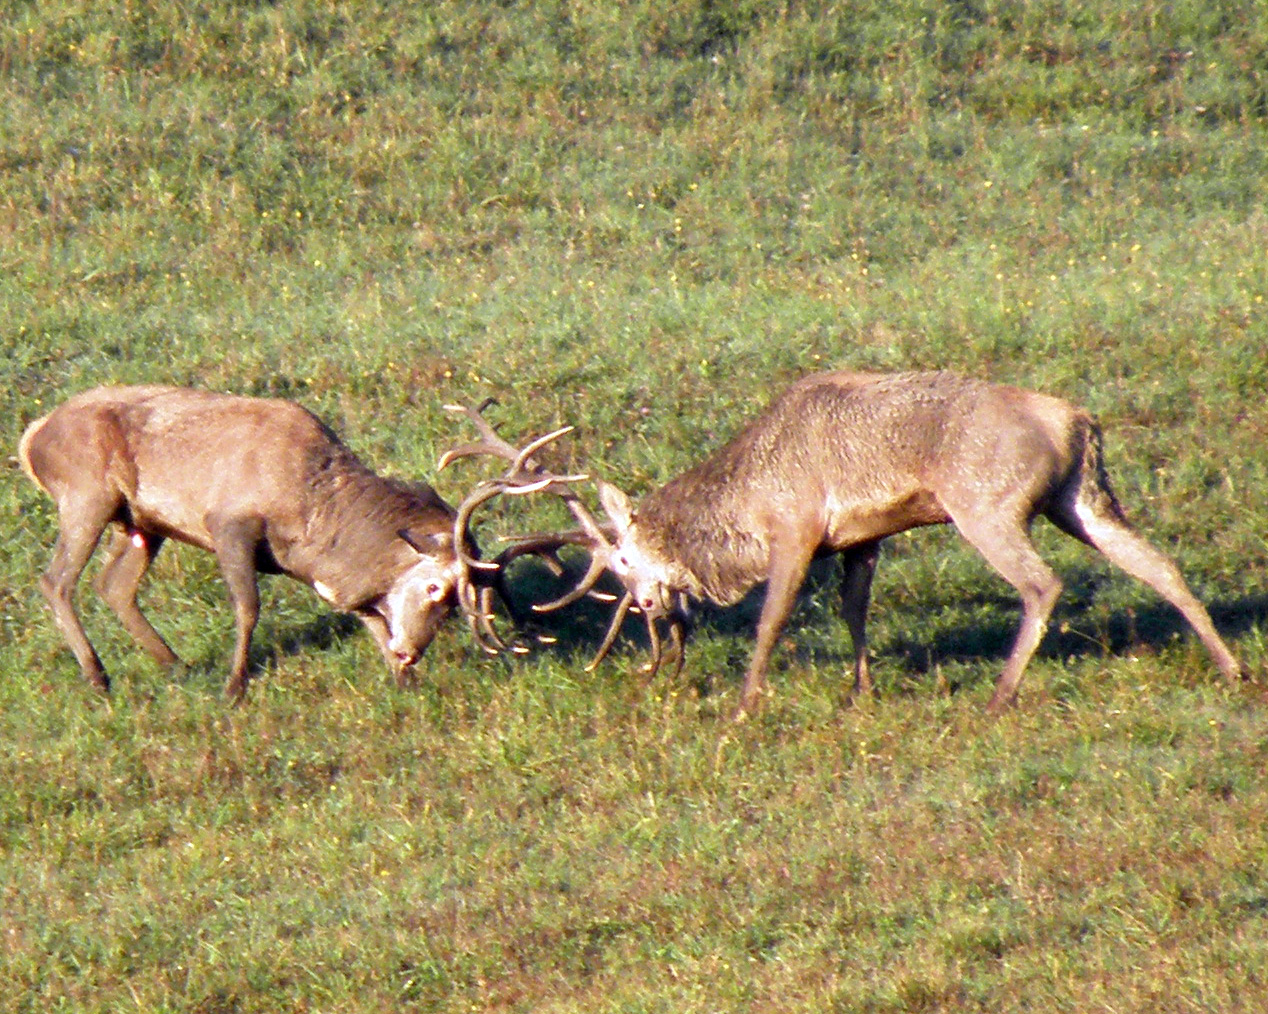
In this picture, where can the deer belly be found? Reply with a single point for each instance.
(850, 524)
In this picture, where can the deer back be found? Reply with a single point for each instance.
(849, 457)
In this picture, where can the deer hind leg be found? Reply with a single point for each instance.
(1005, 542)
(125, 566)
(236, 542)
(1094, 517)
(81, 520)
(856, 592)
(789, 561)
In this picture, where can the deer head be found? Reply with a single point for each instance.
(652, 586)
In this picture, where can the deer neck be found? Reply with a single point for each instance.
(354, 545)
(699, 529)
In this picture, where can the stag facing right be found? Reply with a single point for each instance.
(268, 488)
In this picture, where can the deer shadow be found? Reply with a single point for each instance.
(272, 644)
(1077, 630)
(1074, 631)
(320, 633)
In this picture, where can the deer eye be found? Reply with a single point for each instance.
(435, 590)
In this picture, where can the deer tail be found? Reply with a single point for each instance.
(1095, 492)
(24, 451)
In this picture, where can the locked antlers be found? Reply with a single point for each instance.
(527, 475)
(524, 475)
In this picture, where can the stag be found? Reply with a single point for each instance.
(839, 462)
(267, 488)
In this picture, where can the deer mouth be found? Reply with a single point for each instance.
(653, 602)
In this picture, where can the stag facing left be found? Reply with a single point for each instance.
(841, 461)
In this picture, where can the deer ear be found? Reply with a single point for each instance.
(426, 545)
(617, 505)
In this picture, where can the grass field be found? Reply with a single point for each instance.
(645, 219)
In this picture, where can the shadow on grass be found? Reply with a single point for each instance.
(321, 633)
(578, 629)
(268, 648)
(1073, 632)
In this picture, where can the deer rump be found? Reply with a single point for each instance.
(839, 462)
(262, 484)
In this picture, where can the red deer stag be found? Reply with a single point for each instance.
(264, 485)
(842, 460)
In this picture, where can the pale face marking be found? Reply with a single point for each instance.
(644, 576)
(414, 605)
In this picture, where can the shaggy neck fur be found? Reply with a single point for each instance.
(355, 522)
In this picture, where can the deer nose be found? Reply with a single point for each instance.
(405, 658)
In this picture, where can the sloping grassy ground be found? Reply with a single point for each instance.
(644, 219)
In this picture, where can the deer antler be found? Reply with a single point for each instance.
(525, 475)
(676, 626)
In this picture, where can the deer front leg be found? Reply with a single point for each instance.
(789, 560)
(856, 592)
(236, 541)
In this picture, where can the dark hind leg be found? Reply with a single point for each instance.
(856, 592)
(127, 560)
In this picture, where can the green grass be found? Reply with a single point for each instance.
(645, 219)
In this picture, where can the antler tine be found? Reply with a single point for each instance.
(548, 552)
(615, 628)
(486, 616)
(677, 640)
(598, 564)
(677, 647)
(523, 465)
(483, 492)
(543, 544)
(524, 460)
(653, 637)
(477, 608)
(490, 442)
